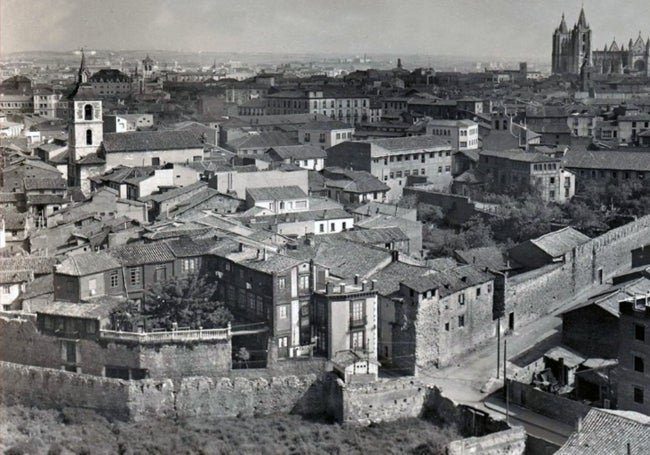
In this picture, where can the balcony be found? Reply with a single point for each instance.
(166, 337)
(358, 321)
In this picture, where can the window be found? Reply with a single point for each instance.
(447, 326)
(638, 395)
(461, 298)
(321, 227)
(332, 227)
(439, 169)
(89, 137)
(356, 311)
(461, 320)
(282, 283)
(307, 137)
(478, 291)
(155, 161)
(189, 265)
(639, 332)
(447, 169)
(303, 281)
(551, 195)
(344, 224)
(321, 137)
(283, 311)
(357, 340)
(114, 279)
(551, 180)
(88, 112)
(6, 289)
(639, 364)
(160, 273)
(135, 276)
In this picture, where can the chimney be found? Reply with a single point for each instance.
(364, 285)
(241, 247)
(356, 279)
(373, 283)
(329, 288)
(342, 288)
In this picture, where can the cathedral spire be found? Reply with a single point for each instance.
(82, 75)
(563, 28)
(582, 20)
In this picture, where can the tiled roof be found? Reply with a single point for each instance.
(276, 193)
(609, 300)
(410, 143)
(14, 220)
(389, 278)
(326, 126)
(144, 141)
(353, 181)
(173, 193)
(87, 264)
(189, 247)
(263, 140)
(299, 152)
(273, 263)
(42, 199)
(606, 432)
(142, 253)
(15, 276)
(560, 242)
(448, 281)
(40, 265)
(44, 184)
(109, 75)
(79, 310)
(41, 285)
(489, 257)
(92, 158)
(518, 155)
(608, 160)
(376, 208)
(375, 236)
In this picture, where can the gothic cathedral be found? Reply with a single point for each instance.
(572, 51)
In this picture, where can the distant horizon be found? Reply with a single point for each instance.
(493, 30)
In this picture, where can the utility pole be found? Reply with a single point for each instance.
(505, 378)
(498, 346)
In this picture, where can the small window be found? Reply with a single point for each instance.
(461, 320)
(283, 311)
(89, 137)
(88, 112)
(447, 326)
(134, 276)
(478, 291)
(155, 161)
(638, 395)
(639, 332)
(282, 283)
(461, 298)
(639, 365)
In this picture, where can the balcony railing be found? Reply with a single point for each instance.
(167, 337)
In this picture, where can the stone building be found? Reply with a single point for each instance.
(634, 355)
(618, 60)
(571, 47)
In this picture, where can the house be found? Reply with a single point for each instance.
(604, 165)
(393, 160)
(345, 105)
(605, 432)
(236, 180)
(460, 134)
(440, 315)
(344, 319)
(634, 354)
(323, 134)
(592, 327)
(121, 123)
(548, 249)
(159, 205)
(258, 143)
(278, 200)
(411, 230)
(353, 187)
(514, 169)
(15, 228)
(306, 156)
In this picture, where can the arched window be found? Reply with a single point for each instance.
(88, 112)
(89, 137)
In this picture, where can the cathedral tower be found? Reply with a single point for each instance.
(571, 48)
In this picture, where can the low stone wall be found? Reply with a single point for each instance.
(57, 389)
(507, 442)
(384, 400)
(548, 404)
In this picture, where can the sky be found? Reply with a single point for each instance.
(499, 28)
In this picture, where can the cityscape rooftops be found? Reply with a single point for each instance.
(276, 193)
(145, 141)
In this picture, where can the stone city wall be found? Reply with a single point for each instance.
(506, 442)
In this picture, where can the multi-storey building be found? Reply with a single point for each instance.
(512, 169)
(460, 134)
(110, 83)
(47, 104)
(393, 160)
(325, 134)
(347, 106)
(634, 355)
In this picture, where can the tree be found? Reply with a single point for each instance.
(186, 301)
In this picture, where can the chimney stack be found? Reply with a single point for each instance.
(342, 288)
(241, 247)
(356, 279)
(373, 283)
(329, 288)
(364, 285)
